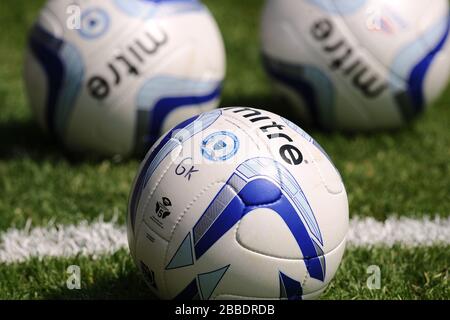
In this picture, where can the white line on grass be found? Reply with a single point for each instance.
(102, 238)
(95, 239)
(404, 231)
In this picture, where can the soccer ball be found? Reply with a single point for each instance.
(357, 64)
(109, 76)
(237, 203)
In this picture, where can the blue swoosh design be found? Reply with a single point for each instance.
(417, 77)
(190, 292)
(289, 288)
(313, 86)
(161, 95)
(64, 69)
(272, 169)
(166, 105)
(45, 48)
(258, 183)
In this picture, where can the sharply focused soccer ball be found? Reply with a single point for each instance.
(237, 203)
(357, 64)
(110, 76)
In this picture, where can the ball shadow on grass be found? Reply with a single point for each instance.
(128, 285)
(24, 139)
(270, 102)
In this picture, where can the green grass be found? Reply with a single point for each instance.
(106, 278)
(405, 274)
(406, 172)
(419, 273)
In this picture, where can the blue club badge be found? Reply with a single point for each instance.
(94, 23)
(220, 146)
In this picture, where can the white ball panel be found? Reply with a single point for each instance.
(264, 231)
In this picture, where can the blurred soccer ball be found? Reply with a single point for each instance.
(357, 64)
(237, 203)
(110, 76)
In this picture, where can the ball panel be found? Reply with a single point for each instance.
(414, 63)
(264, 231)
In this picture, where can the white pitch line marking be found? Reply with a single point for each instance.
(404, 231)
(103, 238)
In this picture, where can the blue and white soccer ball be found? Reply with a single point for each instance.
(357, 64)
(237, 203)
(110, 76)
